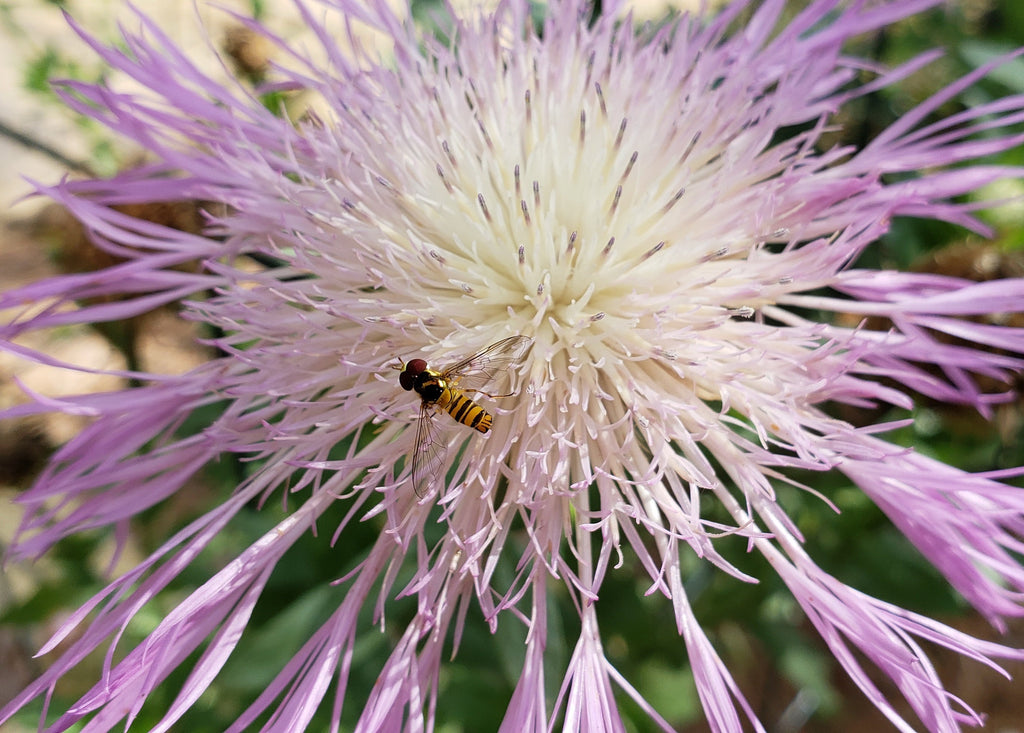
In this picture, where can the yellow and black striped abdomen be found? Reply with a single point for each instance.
(464, 410)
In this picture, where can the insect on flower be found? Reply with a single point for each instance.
(448, 389)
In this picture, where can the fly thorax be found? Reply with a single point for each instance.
(430, 387)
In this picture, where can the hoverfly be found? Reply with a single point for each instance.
(447, 390)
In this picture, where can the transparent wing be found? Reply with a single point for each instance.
(493, 366)
(429, 452)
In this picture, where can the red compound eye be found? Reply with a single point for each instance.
(412, 370)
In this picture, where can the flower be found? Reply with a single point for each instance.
(656, 212)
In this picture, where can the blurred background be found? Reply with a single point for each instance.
(782, 667)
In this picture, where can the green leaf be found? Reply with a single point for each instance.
(978, 53)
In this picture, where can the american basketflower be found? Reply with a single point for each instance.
(656, 214)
